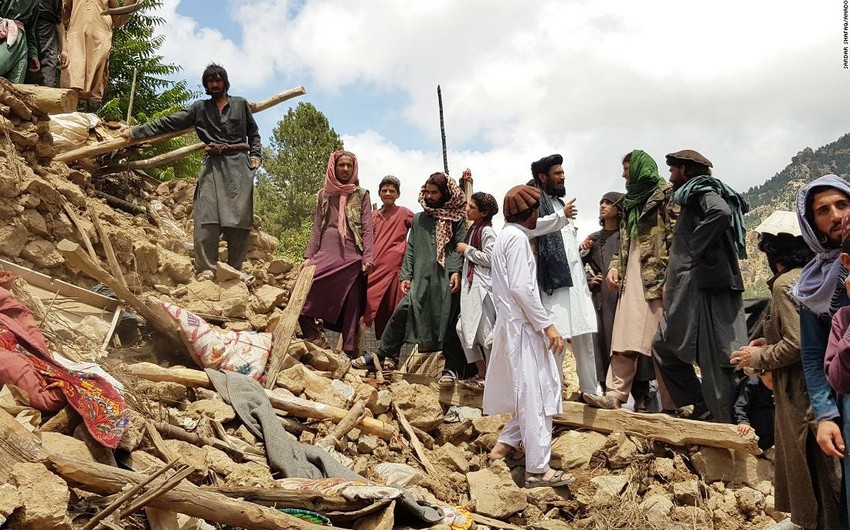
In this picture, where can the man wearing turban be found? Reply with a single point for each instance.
(524, 374)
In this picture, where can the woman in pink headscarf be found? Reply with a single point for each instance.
(341, 249)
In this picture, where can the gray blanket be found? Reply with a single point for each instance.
(289, 457)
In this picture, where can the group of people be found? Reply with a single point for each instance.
(643, 302)
(38, 49)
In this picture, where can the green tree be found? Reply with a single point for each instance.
(136, 46)
(294, 170)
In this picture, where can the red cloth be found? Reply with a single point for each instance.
(334, 187)
(101, 407)
(17, 371)
(390, 243)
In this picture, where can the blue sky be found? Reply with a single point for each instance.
(748, 84)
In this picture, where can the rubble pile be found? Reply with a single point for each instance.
(204, 468)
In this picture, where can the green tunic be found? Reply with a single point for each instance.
(13, 59)
(433, 307)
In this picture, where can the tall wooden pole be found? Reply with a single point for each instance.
(443, 130)
(132, 95)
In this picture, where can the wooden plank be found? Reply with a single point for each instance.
(301, 408)
(111, 259)
(287, 498)
(418, 448)
(185, 498)
(65, 289)
(75, 219)
(17, 445)
(49, 100)
(661, 427)
(286, 325)
(115, 144)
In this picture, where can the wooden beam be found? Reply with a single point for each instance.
(418, 448)
(75, 219)
(661, 427)
(301, 408)
(119, 143)
(287, 498)
(49, 100)
(154, 161)
(17, 445)
(77, 259)
(185, 498)
(111, 259)
(286, 325)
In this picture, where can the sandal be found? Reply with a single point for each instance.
(558, 480)
(447, 378)
(601, 402)
(474, 382)
(364, 362)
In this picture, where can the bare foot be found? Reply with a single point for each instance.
(500, 450)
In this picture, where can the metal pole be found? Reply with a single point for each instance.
(443, 131)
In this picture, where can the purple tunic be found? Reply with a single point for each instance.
(338, 293)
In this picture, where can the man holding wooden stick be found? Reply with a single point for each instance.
(224, 194)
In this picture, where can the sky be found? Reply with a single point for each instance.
(747, 84)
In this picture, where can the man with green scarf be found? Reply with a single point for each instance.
(703, 307)
(639, 272)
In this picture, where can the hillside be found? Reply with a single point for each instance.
(779, 193)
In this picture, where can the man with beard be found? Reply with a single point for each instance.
(224, 194)
(560, 271)
(430, 281)
(702, 298)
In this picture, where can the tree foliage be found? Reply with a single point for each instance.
(294, 169)
(135, 45)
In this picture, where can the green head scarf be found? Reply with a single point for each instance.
(642, 183)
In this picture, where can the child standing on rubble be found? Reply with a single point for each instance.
(477, 312)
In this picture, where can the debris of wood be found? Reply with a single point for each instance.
(286, 325)
(49, 100)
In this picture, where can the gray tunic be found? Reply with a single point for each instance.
(224, 194)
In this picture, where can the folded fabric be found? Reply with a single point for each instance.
(16, 371)
(244, 352)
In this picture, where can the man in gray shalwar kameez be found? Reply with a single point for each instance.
(703, 310)
(224, 194)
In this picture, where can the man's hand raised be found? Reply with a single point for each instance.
(570, 209)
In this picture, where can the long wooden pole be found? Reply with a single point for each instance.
(119, 143)
(286, 325)
(132, 96)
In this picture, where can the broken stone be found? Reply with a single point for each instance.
(383, 400)
(214, 409)
(609, 487)
(494, 492)
(266, 298)
(691, 515)
(10, 500)
(234, 299)
(133, 435)
(61, 444)
(713, 463)
(490, 424)
(178, 268)
(225, 273)
(687, 493)
(13, 237)
(452, 457)
(620, 450)
(367, 444)
(574, 449)
(147, 257)
(279, 266)
(420, 404)
(750, 501)
(665, 469)
(657, 503)
(44, 499)
(396, 474)
(42, 253)
(35, 222)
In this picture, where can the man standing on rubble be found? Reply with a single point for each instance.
(224, 194)
(430, 281)
(560, 271)
(703, 309)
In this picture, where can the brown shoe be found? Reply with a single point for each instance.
(601, 402)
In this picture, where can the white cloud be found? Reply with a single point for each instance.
(746, 83)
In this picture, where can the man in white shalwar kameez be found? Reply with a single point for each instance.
(524, 376)
(561, 276)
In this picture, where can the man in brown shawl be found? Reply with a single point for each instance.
(430, 279)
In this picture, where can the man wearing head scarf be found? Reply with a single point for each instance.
(560, 271)
(523, 378)
(822, 206)
(805, 478)
(430, 280)
(341, 249)
(646, 232)
(391, 225)
(224, 194)
(703, 302)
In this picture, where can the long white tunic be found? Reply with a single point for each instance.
(523, 374)
(571, 307)
(473, 296)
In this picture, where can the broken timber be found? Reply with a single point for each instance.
(119, 143)
(49, 100)
(286, 325)
(301, 408)
(673, 431)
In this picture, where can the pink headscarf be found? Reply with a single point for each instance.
(334, 187)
